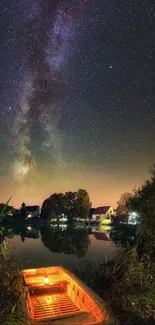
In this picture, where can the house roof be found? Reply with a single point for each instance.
(102, 210)
(100, 236)
(31, 208)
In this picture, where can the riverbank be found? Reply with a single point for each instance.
(126, 284)
(123, 281)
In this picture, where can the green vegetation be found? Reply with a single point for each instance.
(10, 282)
(128, 282)
(74, 205)
(143, 202)
(122, 203)
(11, 285)
(5, 209)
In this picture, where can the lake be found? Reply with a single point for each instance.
(66, 246)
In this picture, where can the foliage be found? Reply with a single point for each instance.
(5, 209)
(68, 241)
(122, 203)
(83, 204)
(11, 287)
(71, 204)
(11, 284)
(126, 283)
(143, 202)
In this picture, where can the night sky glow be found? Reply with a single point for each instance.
(77, 97)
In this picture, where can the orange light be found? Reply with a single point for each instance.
(46, 280)
(49, 299)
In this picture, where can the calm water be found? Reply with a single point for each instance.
(65, 246)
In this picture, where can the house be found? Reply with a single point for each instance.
(101, 236)
(32, 211)
(103, 214)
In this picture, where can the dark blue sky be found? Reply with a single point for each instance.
(77, 97)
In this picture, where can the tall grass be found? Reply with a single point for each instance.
(11, 285)
(2, 213)
(127, 284)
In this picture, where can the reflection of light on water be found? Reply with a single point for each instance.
(63, 226)
(102, 228)
(63, 219)
(105, 227)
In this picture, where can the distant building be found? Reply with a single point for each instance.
(123, 218)
(32, 211)
(103, 214)
(101, 236)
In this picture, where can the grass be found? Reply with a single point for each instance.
(2, 213)
(11, 287)
(127, 284)
(11, 284)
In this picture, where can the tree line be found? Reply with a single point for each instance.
(73, 205)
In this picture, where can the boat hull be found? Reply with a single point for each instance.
(55, 296)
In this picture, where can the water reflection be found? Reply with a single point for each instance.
(66, 240)
(124, 235)
(72, 240)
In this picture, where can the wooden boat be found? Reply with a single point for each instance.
(55, 296)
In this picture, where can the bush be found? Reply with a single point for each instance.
(11, 287)
(127, 284)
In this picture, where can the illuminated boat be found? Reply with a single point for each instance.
(55, 296)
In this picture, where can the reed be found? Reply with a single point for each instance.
(127, 284)
(11, 284)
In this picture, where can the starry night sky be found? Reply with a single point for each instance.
(77, 97)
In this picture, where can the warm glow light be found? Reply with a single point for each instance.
(46, 280)
(49, 299)
(29, 228)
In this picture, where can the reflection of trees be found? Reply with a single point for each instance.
(68, 241)
(24, 231)
(123, 234)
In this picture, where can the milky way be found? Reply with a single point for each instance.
(44, 35)
(77, 97)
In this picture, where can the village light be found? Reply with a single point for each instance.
(46, 280)
(133, 218)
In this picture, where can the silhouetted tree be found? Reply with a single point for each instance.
(143, 202)
(83, 204)
(54, 206)
(72, 204)
(22, 210)
(123, 203)
(23, 205)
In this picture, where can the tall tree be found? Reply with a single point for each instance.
(83, 204)
(122, 203)
(72, 204)
(143, 202)
(54, 206)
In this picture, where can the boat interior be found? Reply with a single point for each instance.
(54, 293)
